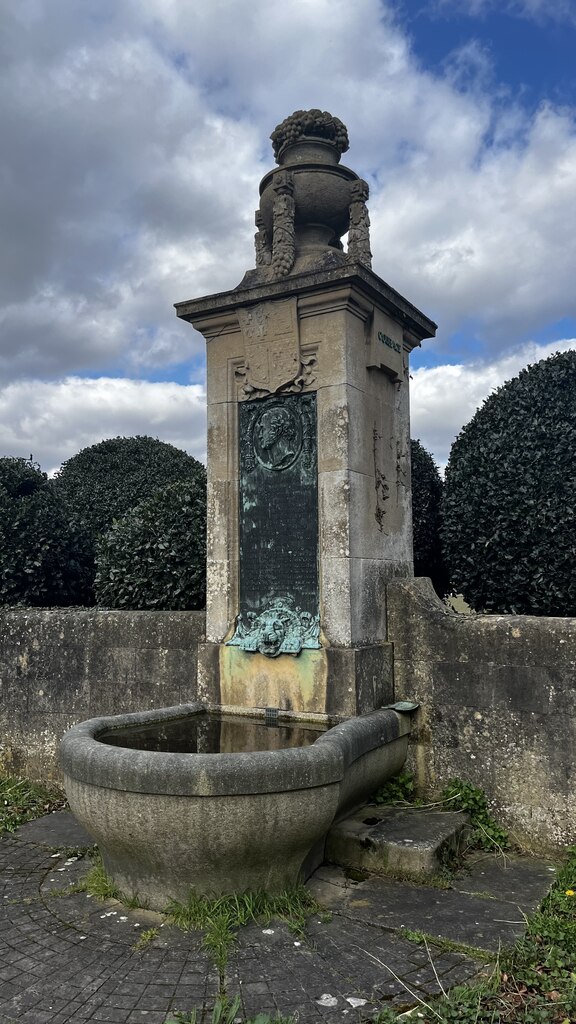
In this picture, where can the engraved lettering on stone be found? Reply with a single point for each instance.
(389, 342)
(359, 231)
(283, 233)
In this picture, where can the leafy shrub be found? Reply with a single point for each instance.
(486, 834)
(155, 556)
(510, 496)
(426, 519)
(398, 790)
(40, 554)
(105, 481)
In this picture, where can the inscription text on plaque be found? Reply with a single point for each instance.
(279, 593)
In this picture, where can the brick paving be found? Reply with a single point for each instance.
(66, 957)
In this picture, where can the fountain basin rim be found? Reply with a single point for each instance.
(86, 759)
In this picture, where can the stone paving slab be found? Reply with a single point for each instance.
(518, 880)
(56, 830)
(66, 958)
(485, 906)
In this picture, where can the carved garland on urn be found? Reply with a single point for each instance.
(283, 233)
(359, 231)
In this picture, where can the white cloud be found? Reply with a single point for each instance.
(445, 398)
(491, 239)
(53, 421)
(134, 134)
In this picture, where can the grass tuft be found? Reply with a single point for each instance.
(21, 801)
(226, 1011)
(97, 883)
(146, 937)
(219, 917)
(532, 983)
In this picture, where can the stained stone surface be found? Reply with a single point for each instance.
(414, 842)
(470, 912)
(297, 563)
(67, 958)
(55, 831)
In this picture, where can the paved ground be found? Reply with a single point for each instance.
(68, 958)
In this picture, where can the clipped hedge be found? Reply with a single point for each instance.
(509, 506)
(40, 554)
(427, 490)
(105, 481)
(155, 556)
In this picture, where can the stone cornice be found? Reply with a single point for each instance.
(357, 276)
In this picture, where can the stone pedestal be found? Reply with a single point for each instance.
(342, 334)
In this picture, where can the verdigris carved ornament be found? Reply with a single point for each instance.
(280, 629)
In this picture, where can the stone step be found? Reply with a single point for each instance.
(411, 842)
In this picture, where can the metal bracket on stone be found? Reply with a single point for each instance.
(403, 705)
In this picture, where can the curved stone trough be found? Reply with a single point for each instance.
(222, 822)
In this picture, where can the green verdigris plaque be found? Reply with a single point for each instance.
(279, 597)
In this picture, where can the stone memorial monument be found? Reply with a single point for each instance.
(308, 445)
(308, 518)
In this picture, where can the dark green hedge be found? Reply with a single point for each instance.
(155, 556)
(105, 481)
(509, 504)
(40, 554)
(426, 499)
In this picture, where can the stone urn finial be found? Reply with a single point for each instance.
(307, 133)
(310, 200)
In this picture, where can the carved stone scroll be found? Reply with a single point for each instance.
(359, 231)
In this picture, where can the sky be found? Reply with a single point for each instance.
(134, 136)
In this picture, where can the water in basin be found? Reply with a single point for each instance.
(215, 733)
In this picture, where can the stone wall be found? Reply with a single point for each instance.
(498, 709)
(61, 666)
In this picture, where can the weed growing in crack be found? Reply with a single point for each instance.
(226, 1011)
(97, 883)
(219, 917)
(146, 937)
(486, 834)
(534, 982)
(398, 790)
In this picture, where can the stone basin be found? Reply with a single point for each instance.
(167, 821)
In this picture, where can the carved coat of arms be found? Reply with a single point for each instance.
(271, 346)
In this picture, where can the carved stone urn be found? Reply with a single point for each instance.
(306, 203)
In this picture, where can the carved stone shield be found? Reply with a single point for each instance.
(271, 345)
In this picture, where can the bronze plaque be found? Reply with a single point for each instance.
(279, 594)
